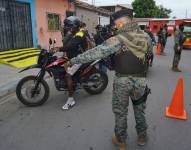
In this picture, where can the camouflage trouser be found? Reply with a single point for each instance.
(162, 43)
(123, 88)
(176, 60)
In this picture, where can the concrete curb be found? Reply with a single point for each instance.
(8, 88)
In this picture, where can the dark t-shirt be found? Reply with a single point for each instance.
(74, 45)
(100, 38)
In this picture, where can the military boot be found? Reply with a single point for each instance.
(142, 139)
(121, 145)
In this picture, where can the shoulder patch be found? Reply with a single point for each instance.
(80, 34)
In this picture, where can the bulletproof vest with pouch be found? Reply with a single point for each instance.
(127, 63)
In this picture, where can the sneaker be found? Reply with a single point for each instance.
(70, 103)
(142, 139)
(121, 145)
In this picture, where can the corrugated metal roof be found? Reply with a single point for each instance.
(168, 19)
(128, 6)
(92, 7)
(160, 19)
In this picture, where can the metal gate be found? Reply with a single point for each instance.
(15, 25)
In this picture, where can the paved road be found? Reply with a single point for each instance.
(89, 125)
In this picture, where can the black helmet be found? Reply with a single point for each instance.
(99, 27)
(72, 23)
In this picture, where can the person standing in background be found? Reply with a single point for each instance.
(90, 41)
(161, 38)
(99, 38)
(150, 54)
(165, 37)
(179, 39)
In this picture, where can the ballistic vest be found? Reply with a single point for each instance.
(130, 59)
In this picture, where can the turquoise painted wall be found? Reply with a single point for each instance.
(33, 17)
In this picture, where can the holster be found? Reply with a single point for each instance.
(143, 98)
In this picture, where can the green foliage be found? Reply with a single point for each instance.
(149, 9)
(163, 12)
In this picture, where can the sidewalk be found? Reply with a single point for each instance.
(9, 78)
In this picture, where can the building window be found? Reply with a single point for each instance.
(53, 22)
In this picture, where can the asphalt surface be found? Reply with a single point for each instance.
(89, 125)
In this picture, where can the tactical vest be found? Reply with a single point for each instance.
(127, 63)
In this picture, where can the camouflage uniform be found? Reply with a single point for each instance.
(165, 36)
(124, 86)
(178, 39)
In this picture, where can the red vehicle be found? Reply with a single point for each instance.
(34, 90)
(187, 33)
(156, 23)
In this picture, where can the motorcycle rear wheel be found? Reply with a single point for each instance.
(25, 96)
(93, 90)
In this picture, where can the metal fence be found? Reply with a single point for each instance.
(15, 25)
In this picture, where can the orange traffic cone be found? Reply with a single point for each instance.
(176, 108)
(158, 50)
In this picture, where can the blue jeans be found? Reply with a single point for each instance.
(102, 67)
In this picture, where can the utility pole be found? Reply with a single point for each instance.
(93, 2)
(186, 13)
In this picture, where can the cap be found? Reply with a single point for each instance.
(119, 14)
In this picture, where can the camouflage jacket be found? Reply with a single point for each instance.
(179, 38)
(115, 44)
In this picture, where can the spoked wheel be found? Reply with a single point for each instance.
(97, 82)
(30, 96)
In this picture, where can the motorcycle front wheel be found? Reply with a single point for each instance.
(28, 95)
(99, 81)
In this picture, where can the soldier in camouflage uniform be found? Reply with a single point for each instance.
(129, 45)
(165, 36)
(162, 38)
(179, 40)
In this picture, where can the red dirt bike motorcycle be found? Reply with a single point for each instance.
(34, 90)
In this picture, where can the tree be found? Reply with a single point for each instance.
(144, 8)
(163, 12)
(149, 9)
